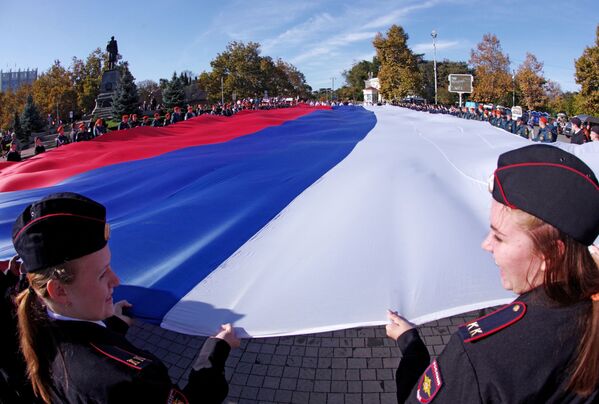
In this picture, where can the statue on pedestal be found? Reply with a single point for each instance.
(113, 53)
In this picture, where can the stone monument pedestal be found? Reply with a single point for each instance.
(103, 108)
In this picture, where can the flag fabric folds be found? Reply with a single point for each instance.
(288, 221)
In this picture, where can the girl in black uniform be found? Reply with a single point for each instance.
(72, 335)
(543, 347)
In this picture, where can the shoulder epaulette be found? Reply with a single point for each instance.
(120, 355)
(491, 323)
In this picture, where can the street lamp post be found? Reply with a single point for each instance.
(332, 88)
(513, 88)
(434, 35)
(222, 92)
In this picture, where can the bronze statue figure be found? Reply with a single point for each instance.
(113, 53)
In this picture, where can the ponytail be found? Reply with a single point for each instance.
(585, 376)
(571, 276)
(31, 331)
(35, 336)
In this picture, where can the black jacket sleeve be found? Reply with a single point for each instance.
(117, 325)
(207, 383)
(415, 358)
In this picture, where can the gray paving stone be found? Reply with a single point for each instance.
(283, 396)
(388, 398)
(335, 398)
(300, 397)
(291, 372)
(305, 385)
(339, 363)
(323, 374)
(288, 383)
(307, 373)
(255, 381)
(369, 398)
(271, 382)
(274, 370)
(318, 398)
(345, 366)
(338, 386)
(266, 394)
(372, 386)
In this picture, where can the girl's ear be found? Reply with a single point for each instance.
(57, 292)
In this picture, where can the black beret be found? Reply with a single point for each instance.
(553, 185)
(59, 228)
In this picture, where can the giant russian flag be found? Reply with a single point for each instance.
(288, 221)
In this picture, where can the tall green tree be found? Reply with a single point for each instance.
(18, 130)
(398, 75)
(125, 99)
(87, 77)
(173, 94)
(355, 77)
(444, 69)
(587, 75)
(491, 71)
(31, 119)
(241, 70)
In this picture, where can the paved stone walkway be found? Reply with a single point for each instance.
(348, 366)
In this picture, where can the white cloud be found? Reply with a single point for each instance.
(426, 47)
(314, 26)
(394, 16)
(330, 45)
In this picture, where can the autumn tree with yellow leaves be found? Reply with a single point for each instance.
(492, 77)
(398, 74)
(587, 75)
(530, 82)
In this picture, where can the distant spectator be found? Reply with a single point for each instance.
(145, 121)
(124, 124)
(544, 131)
(99, 128)
(13, 154)
(586, 128)
(156, 121)
(134, 123)
(39, 146)
(176, 117)
(594, 133)
(508, 123)
(5, 142)
(80, 133)
(167, 119)
(190, 114)
(578, 136)
(62, 138)
(14, 140)
(520, 128)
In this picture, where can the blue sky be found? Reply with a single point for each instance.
(321, 38)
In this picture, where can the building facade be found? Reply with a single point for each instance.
(372, 88)
(13, 80)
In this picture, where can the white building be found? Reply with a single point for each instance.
(372, 88)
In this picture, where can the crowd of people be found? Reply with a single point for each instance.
(63, 339)
(530, 126)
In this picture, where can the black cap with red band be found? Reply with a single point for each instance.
(553, 185)
(59, 228)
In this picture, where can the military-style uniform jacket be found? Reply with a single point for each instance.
(98, 364)
(521, 130)
(14, 386)
(519, 353)
(123, 125)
